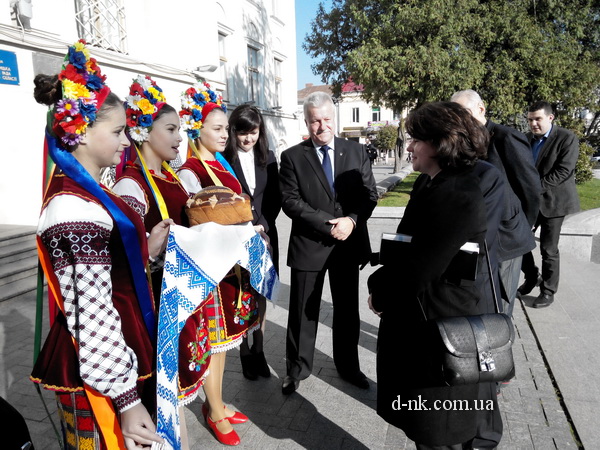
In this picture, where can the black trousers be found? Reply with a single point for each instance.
(549, 235)
(305, 303)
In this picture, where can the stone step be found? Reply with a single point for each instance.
(15, 234)
(18, 270)
(14, 252)
(18, 287)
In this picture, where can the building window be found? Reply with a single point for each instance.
(376, 115)
(278, 82)
(252, 74)
(355, 115)
(223, 75)
(102, 23)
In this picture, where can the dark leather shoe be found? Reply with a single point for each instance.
(248, 366)
(289, 385)
(260, 365)
(529, 284)
(543, 300)
(358, 379)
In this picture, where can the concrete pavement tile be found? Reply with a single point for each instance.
(395, 436)
(543, 430)
(543, 442)
(519, 435)
(322, 441)
(291, 405)
(35, 413)
(585, 417)
(284, 438)
(303, 417)
(253, 436)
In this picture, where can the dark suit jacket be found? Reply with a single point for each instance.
(309, 202)
(509, 151)
(556, 167)
(266, 200)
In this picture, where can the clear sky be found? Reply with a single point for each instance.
(306, 11)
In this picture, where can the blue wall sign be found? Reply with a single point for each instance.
(9, 69)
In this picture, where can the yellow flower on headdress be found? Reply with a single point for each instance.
(206, 96)
(80, 47)
(145, 106)
(74, 90)
(156, 94)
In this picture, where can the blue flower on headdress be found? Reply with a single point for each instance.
(76, 58)
(196, 114)
(150, 97)
(95, 82)
(193, 134)
(145, 120)
(199, 99)
(213, 96)
(88, 111)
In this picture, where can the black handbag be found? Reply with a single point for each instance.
(475, 349)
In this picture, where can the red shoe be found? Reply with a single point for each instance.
(230, 438)
(237, 417)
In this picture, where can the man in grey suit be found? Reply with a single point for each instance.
(509, 151)
(555, 152)
(329, 192)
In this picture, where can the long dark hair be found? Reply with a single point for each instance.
(246, 118)
(460, 139)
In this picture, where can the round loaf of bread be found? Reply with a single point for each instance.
(219, 204)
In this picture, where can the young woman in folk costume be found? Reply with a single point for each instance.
(231, 310)
(153, 189)
(93, 246)
(256, 168)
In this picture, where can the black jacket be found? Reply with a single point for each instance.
(309, 202)
(509, 151)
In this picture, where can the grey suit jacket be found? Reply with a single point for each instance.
(307, 199)
(556, 166)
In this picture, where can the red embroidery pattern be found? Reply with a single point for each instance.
(77, 243)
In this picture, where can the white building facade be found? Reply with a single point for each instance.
(245, 49)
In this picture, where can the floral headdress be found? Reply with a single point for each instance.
(144, 101)
(83, 92)
(196, 103)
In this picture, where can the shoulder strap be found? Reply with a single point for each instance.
(209, 169)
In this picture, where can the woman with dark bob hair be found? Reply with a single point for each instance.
(256, 168)
(423, 281)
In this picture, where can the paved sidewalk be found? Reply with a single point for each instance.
(328, 413)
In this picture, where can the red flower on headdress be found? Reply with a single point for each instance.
(73, 125)
(136, 89)
(132, 116)
(72, 73)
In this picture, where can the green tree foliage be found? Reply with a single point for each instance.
(386, 137)
(583, 168)
(513, 52)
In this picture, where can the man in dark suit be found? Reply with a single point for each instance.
(329, 192)
(555, 152)
(509, 151)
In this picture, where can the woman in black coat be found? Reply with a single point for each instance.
(256, 168)
(445, 211)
